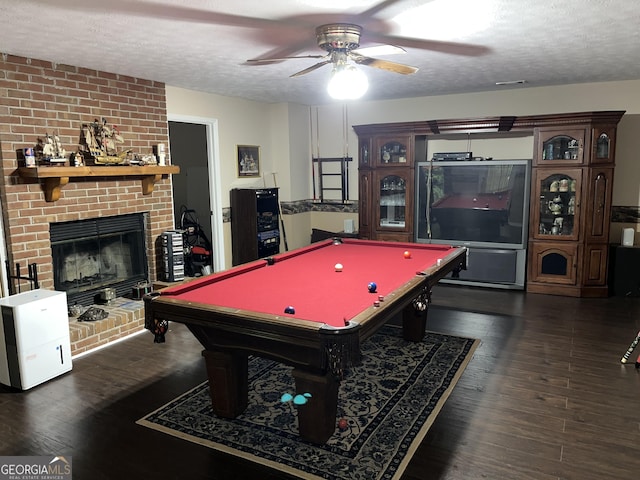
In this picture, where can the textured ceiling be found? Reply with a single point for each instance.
(203, 44)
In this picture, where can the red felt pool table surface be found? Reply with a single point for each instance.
(306, 279)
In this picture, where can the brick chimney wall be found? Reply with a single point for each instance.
(39, 97)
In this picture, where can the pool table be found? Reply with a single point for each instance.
(241, 311)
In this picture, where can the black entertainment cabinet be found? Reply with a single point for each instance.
(254, 224)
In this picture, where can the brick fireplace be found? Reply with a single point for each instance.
(38, 97)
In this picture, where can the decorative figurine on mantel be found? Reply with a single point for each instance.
(49, 151)
(98, 143)
(78, 159)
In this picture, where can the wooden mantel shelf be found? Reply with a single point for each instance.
(57, 177)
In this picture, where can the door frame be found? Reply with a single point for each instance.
(215, 187)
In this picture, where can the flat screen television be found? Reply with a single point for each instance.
(477, 203)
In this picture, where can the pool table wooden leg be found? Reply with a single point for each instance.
(414, 318)
(317, 417)
(228, 382)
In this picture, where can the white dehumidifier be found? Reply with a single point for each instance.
(34, 338)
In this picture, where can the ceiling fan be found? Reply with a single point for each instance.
(339, 33)
(342, 42)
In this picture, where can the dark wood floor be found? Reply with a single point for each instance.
(545, 397)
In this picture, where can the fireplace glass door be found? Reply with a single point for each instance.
(91, 255)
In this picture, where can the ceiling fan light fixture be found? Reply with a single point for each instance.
(347, 83)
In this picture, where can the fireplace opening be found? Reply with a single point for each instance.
(91, 255)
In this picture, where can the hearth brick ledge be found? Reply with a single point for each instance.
(126, 317)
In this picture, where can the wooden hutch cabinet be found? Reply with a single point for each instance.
(570, 209)
(570, 199)
(386, 180)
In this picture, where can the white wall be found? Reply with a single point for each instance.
(240, 122)
(299, 152)
(626, 187)
(517, 101)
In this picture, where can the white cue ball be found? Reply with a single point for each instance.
(338, 267)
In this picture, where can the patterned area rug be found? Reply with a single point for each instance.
(389, 402)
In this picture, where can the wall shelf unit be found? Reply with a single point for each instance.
(54, 178)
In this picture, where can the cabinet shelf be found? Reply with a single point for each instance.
(54, 178)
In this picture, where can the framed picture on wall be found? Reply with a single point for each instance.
(248, 161)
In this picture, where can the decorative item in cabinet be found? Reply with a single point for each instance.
(558, 193)
(393, 195)
(395, 151)
(364, 159)
(603, 143)
(557, 146)
(393, 191)
(602, 146)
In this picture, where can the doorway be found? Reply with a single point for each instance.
(194, 147)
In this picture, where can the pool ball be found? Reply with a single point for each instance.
(407, 254)
(290, 310)
(372, 287)
(343, 424)
(338, 267)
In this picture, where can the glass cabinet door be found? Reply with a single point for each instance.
(393, 200)
(602, 146)
(393, 151)
(560, 147)
(364, 158)
(558, 194)
(603, 141)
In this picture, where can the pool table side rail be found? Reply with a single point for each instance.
(173, 309)
(289, 340)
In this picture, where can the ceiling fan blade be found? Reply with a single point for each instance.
(311, 68)
(452, 48)
(267, 61)
(383, 64)
(282, 53)
(371, 12)
(165, 11)
(379, 50)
